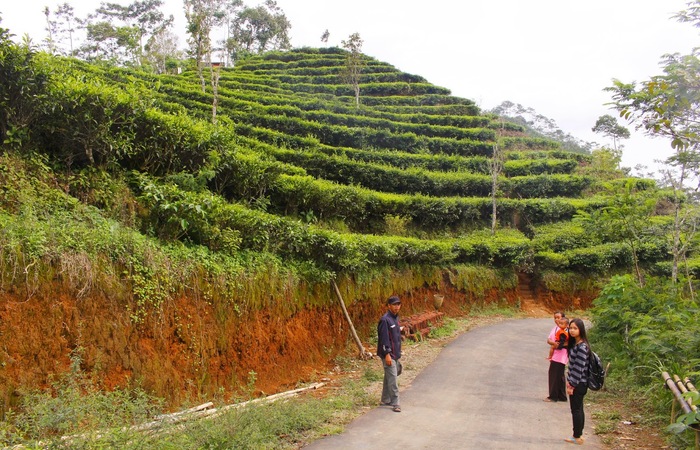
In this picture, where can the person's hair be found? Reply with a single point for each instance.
(560, 312)
(581, 332)
(565, 318)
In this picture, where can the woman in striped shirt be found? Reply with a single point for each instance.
(577, 378)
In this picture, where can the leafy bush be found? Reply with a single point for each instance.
(648, 328)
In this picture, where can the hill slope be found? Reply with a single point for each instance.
(164, 250)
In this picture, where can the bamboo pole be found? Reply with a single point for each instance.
(676, 392)
(364, 354)
(682, 387)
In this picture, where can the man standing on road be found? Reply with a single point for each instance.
(389, 350)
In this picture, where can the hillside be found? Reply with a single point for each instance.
(160, 250)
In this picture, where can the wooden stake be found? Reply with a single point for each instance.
(364, 354)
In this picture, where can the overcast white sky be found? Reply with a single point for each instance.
(555, 56)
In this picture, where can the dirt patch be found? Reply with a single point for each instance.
(624, 424)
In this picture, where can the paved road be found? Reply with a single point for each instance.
(484, 391)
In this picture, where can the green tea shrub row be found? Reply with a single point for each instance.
(547, 154)
(514, 167)
(414, 103)
(433, 105)
(365, 210)
(330, 129)
(368, 78)
(602, 258)
(369, 90)
(403, 181)
(320, 71)
(441, 162)
(530, 143)
(340, 136)
(206, 219)
(314, 103)
(561, 236)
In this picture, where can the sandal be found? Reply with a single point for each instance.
(396, 408)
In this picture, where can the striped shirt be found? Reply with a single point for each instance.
(578, 364)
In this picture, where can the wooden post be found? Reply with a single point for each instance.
(364, 354)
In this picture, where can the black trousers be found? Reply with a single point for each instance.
(557, 383)
(576, 403)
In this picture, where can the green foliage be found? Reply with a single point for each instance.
(478, 280)
(447, 329)
(654, 327)
(76, 404)
(568, 282)
(23, 80)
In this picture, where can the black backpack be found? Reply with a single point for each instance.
(596, 372)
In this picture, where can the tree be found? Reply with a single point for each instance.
(162, 52)
(496, 168)
(540, 125)
(354, 63)
(60, 26)
(259, 29)
(680, 175)
(668, 105)
(231, 9)
(604, 165)
(626, 219)
(51, 31)
(324, 37)
(119, 33)
(202, 17)
(607, 126)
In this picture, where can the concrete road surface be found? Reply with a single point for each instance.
(484, 391)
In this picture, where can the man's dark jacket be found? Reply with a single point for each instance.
(389, 336)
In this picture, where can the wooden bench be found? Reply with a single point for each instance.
(417, 326)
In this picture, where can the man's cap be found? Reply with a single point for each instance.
(393, 300)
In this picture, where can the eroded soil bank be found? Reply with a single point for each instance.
(192, 350)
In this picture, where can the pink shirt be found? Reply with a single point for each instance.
(560, 356)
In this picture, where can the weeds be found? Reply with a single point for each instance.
(494, 309)
(74, 406)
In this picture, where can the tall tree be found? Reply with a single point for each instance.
(232, 8)
(668, 105)
(203, 16)
(354, 63)
(61, 24)
(162, 53)
(119, 33)
(259, 29)
(626, 218)
(496, 168)
(51, 32)
(604, 165)
(607, 126)
(540, 125)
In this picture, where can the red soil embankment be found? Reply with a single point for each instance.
(190, 349)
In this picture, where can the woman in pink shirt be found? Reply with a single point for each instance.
(557, 364)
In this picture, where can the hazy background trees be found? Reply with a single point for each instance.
(141, 35)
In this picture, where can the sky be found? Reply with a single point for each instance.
(555, 56)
